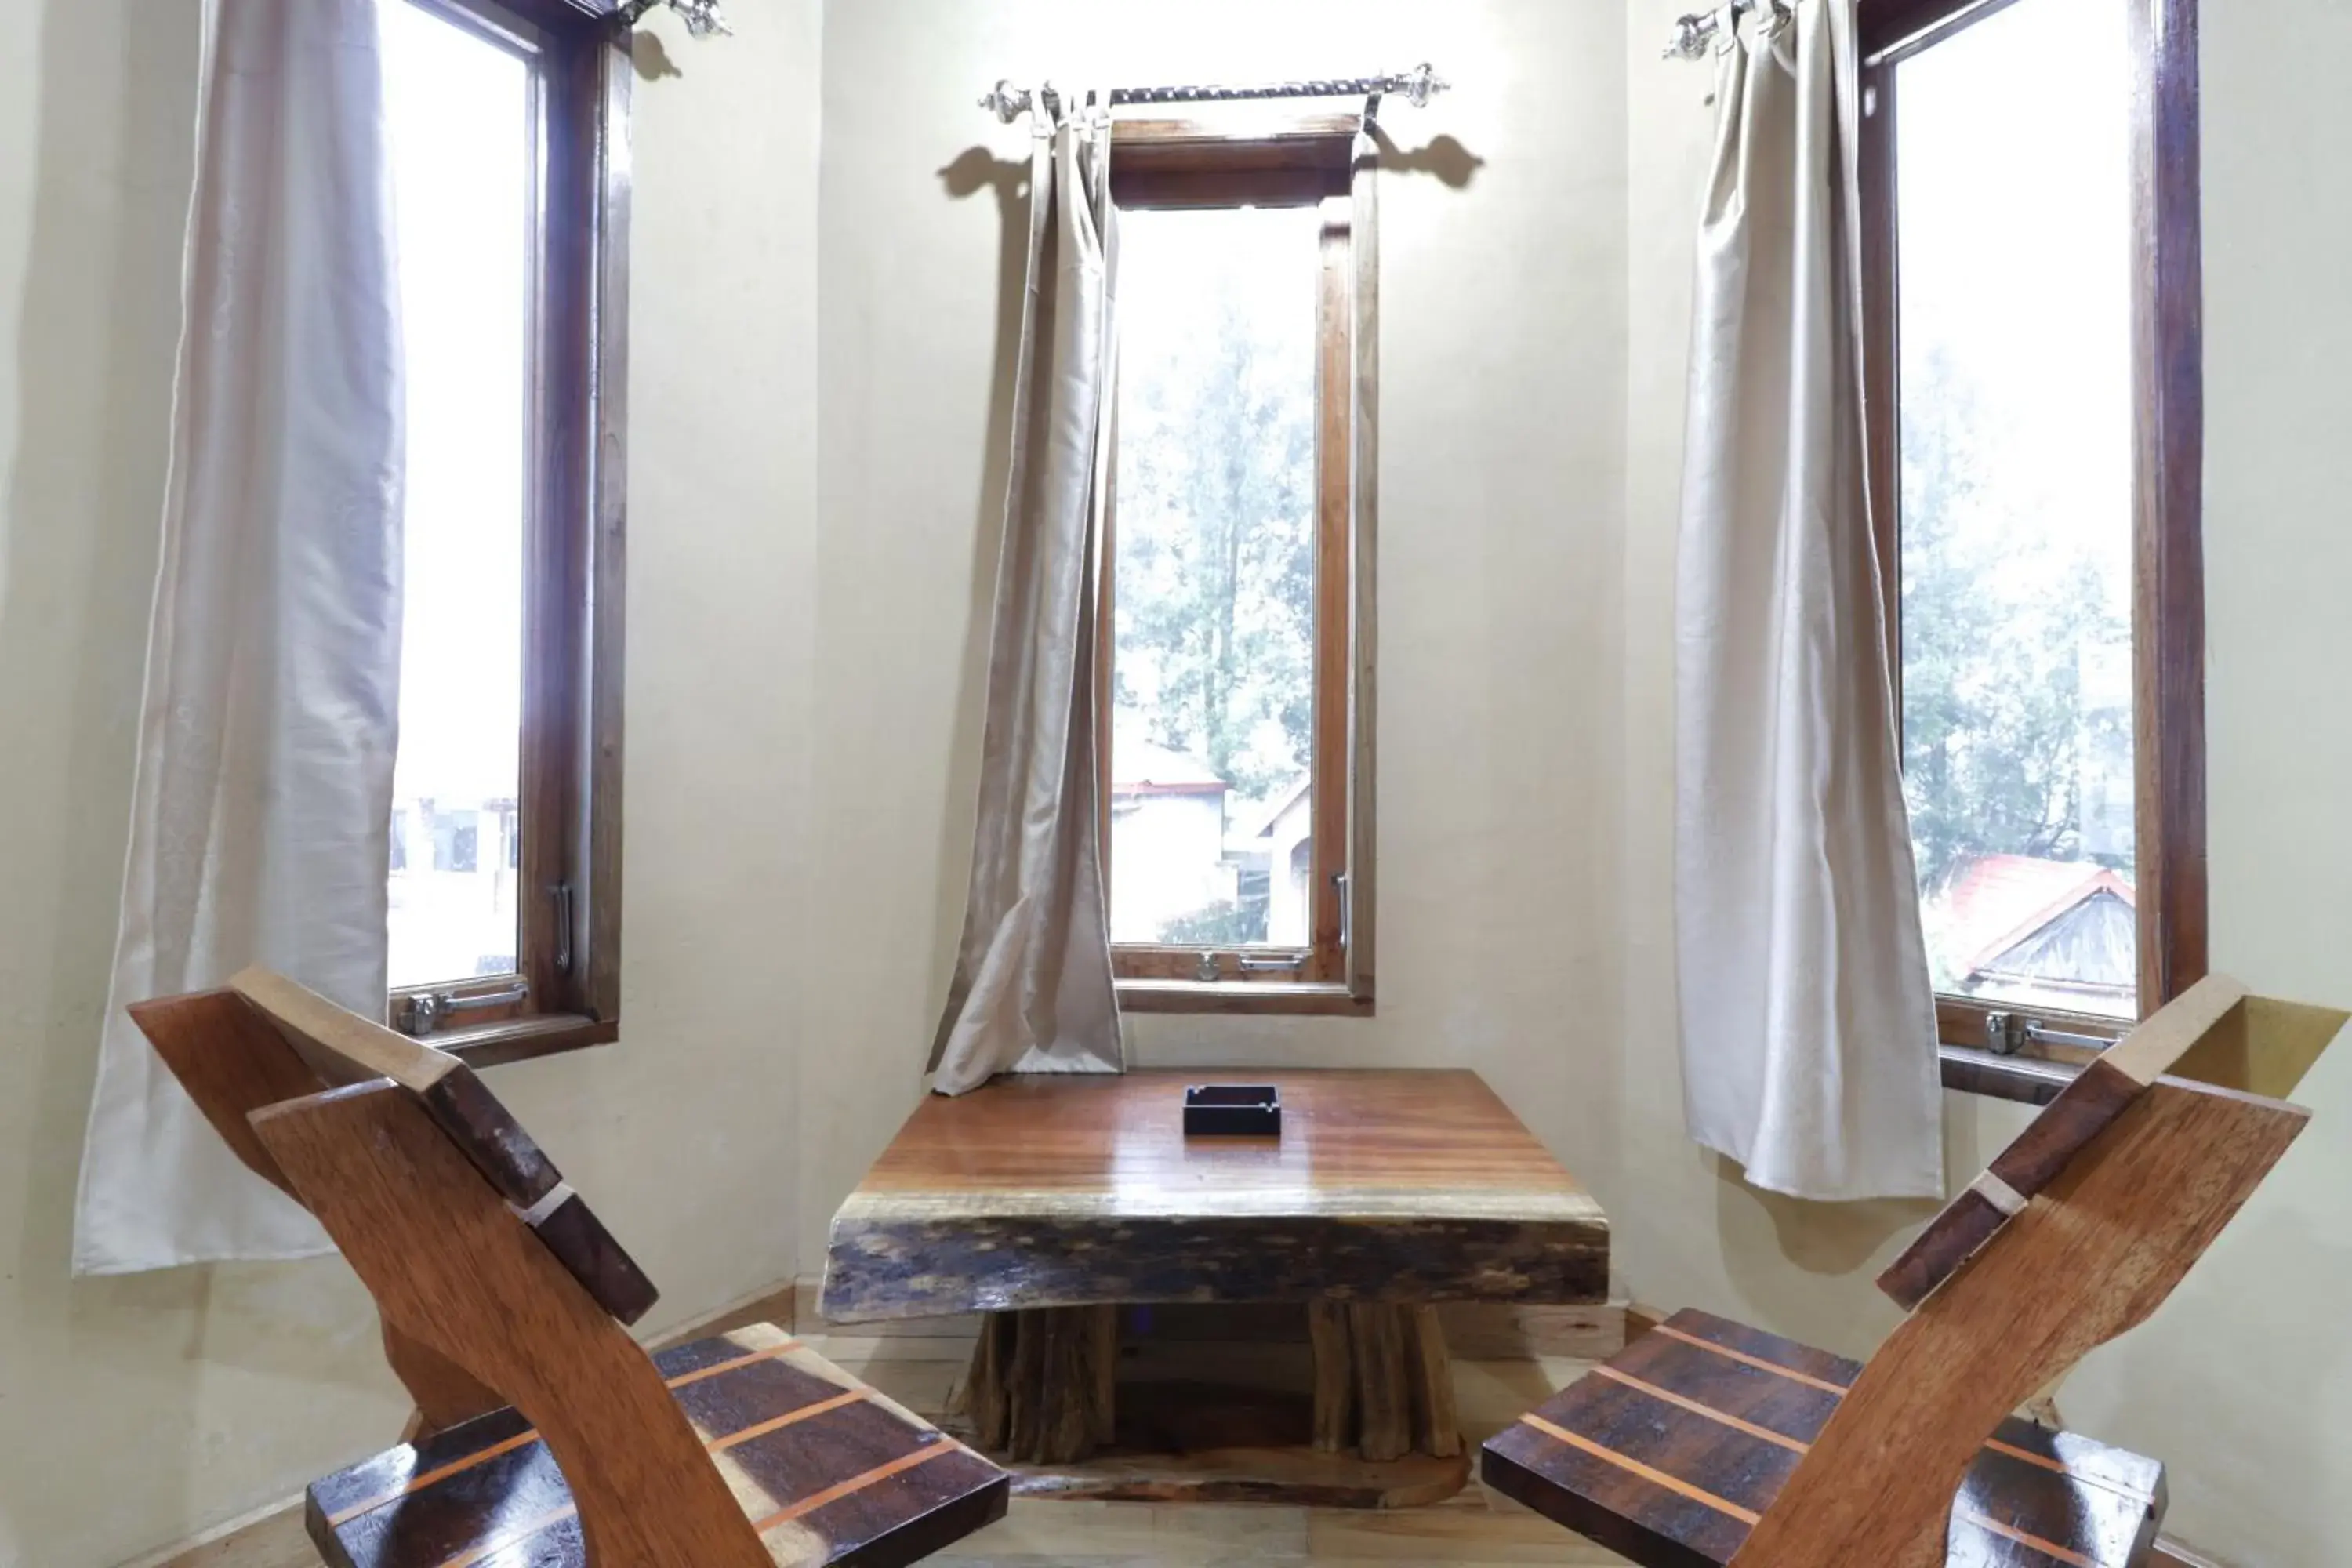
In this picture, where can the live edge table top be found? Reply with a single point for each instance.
(1072, 1190)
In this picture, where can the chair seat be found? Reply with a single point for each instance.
(827, 1469)
(1670, 1451)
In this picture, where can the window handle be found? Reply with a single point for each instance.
(428, 1010)
(1289, 965)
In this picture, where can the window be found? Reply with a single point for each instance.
(505, 822)
(1236, 570)
(2034, 445)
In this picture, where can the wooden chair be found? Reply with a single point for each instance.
(1707, 1443)
(544, 1434)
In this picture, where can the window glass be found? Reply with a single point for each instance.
(462, 112)
(1212, 675)
(2014, 189)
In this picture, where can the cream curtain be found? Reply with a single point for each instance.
(1033, 989)
(1807, 1016)
(260, 816)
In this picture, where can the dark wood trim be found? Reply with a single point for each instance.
(2169, 742)
(578, 18)
(1218, 150)
(599, 913)
(1164, 961)
(1295, 999)
(1363, 610)
(1189, 163)
(1886, 30)
(569, 863)
(1282, 997)
(520, 29)
(548, 1035)
(1245, 187)
(555, 581)
(1252, 139)
(2021, 1079)
(1335, 519)
(2169, 600)
(1209, 164)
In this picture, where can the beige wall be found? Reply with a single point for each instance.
(2241, 1383)
(133, 1412)
(1525, 768)
(2245, 1382)
(1500, 493)
(809, 580)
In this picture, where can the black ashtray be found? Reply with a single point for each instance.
(1233, 1111)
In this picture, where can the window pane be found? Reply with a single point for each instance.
(1213, 670)
(462, 112)
(2013, 164)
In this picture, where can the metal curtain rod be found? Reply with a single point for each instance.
(1416, 87)
(1696, 31)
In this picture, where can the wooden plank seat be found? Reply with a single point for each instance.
(544, 1434)
(1708, 1442)
(825, 1469)
(1671, 1451)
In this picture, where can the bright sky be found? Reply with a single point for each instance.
(1185, 277)
(459, 108)
(2015, 206)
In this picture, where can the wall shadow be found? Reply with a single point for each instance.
(650, 57)
(1442, 157)
(1832, 1247)
(974, 172)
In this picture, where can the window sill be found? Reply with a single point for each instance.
(521, 1039)
(2029, 1080)
(1328, 1000)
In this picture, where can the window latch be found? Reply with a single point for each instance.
(561, 892)
(2007, 1034)
(428, 1010)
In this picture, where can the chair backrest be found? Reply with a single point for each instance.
(2077, 1233)
(496, 1283)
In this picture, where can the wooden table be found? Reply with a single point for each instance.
(1051, 1202)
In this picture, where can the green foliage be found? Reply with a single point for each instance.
(1998, 627)
(1216, 495)
(1222, 925)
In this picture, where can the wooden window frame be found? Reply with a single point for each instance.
(1309, 162)
(568, 947)
(2169, 601)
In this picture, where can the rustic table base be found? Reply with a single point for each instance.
(1379, 1430)
(1045, 1201)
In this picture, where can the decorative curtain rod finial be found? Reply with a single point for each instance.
(1691, 34)
(1422, 83)
(703, 18)
(1006, 101)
